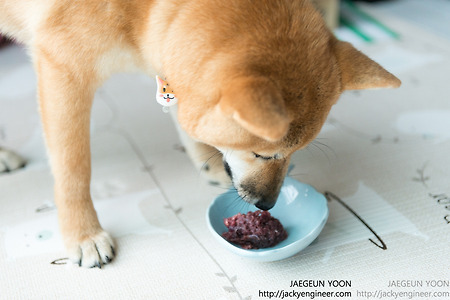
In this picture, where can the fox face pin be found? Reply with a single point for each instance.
(165, 94)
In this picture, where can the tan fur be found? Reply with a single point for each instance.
(251, 76)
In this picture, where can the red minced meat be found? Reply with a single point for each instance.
(254, 230)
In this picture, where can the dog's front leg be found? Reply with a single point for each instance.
(65, 96)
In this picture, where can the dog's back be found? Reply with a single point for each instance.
(85, 33)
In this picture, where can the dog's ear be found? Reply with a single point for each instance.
(256, 105)
(360, 72)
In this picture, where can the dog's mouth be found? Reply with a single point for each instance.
(242, 194)
(168, 97)
(228, 170)
(248, 193)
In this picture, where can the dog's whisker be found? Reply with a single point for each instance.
(226, 188)
(203, 167)
(206, 162)
(321, 150)
(208, 153)
(247, 206)
(233, 203)
(244, 204)
(308, 148)
(297, 174)
(215, 160)
(326, 146)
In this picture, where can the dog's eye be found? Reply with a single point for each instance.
(164, 90)
(263, 157)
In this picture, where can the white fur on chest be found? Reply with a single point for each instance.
(117, 59)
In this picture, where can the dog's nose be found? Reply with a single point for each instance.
(261, 204)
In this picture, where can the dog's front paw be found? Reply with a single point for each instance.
(92, 252)
(9, 161)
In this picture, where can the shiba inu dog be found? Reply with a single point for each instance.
(254, 79)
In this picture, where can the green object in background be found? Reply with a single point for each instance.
(355, 12)
(355, 29)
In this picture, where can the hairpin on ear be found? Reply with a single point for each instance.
(165, 94)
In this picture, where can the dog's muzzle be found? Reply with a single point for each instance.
(250, 193)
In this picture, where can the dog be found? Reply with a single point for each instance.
(254, 79)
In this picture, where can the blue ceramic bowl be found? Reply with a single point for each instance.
(300, 208)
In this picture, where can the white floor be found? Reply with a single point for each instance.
(386, 156)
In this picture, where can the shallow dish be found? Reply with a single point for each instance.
(300, 208)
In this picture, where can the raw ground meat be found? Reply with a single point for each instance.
(254, 230)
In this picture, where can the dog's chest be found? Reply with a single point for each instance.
(118, 59)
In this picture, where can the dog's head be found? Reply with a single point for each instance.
(266, 77)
